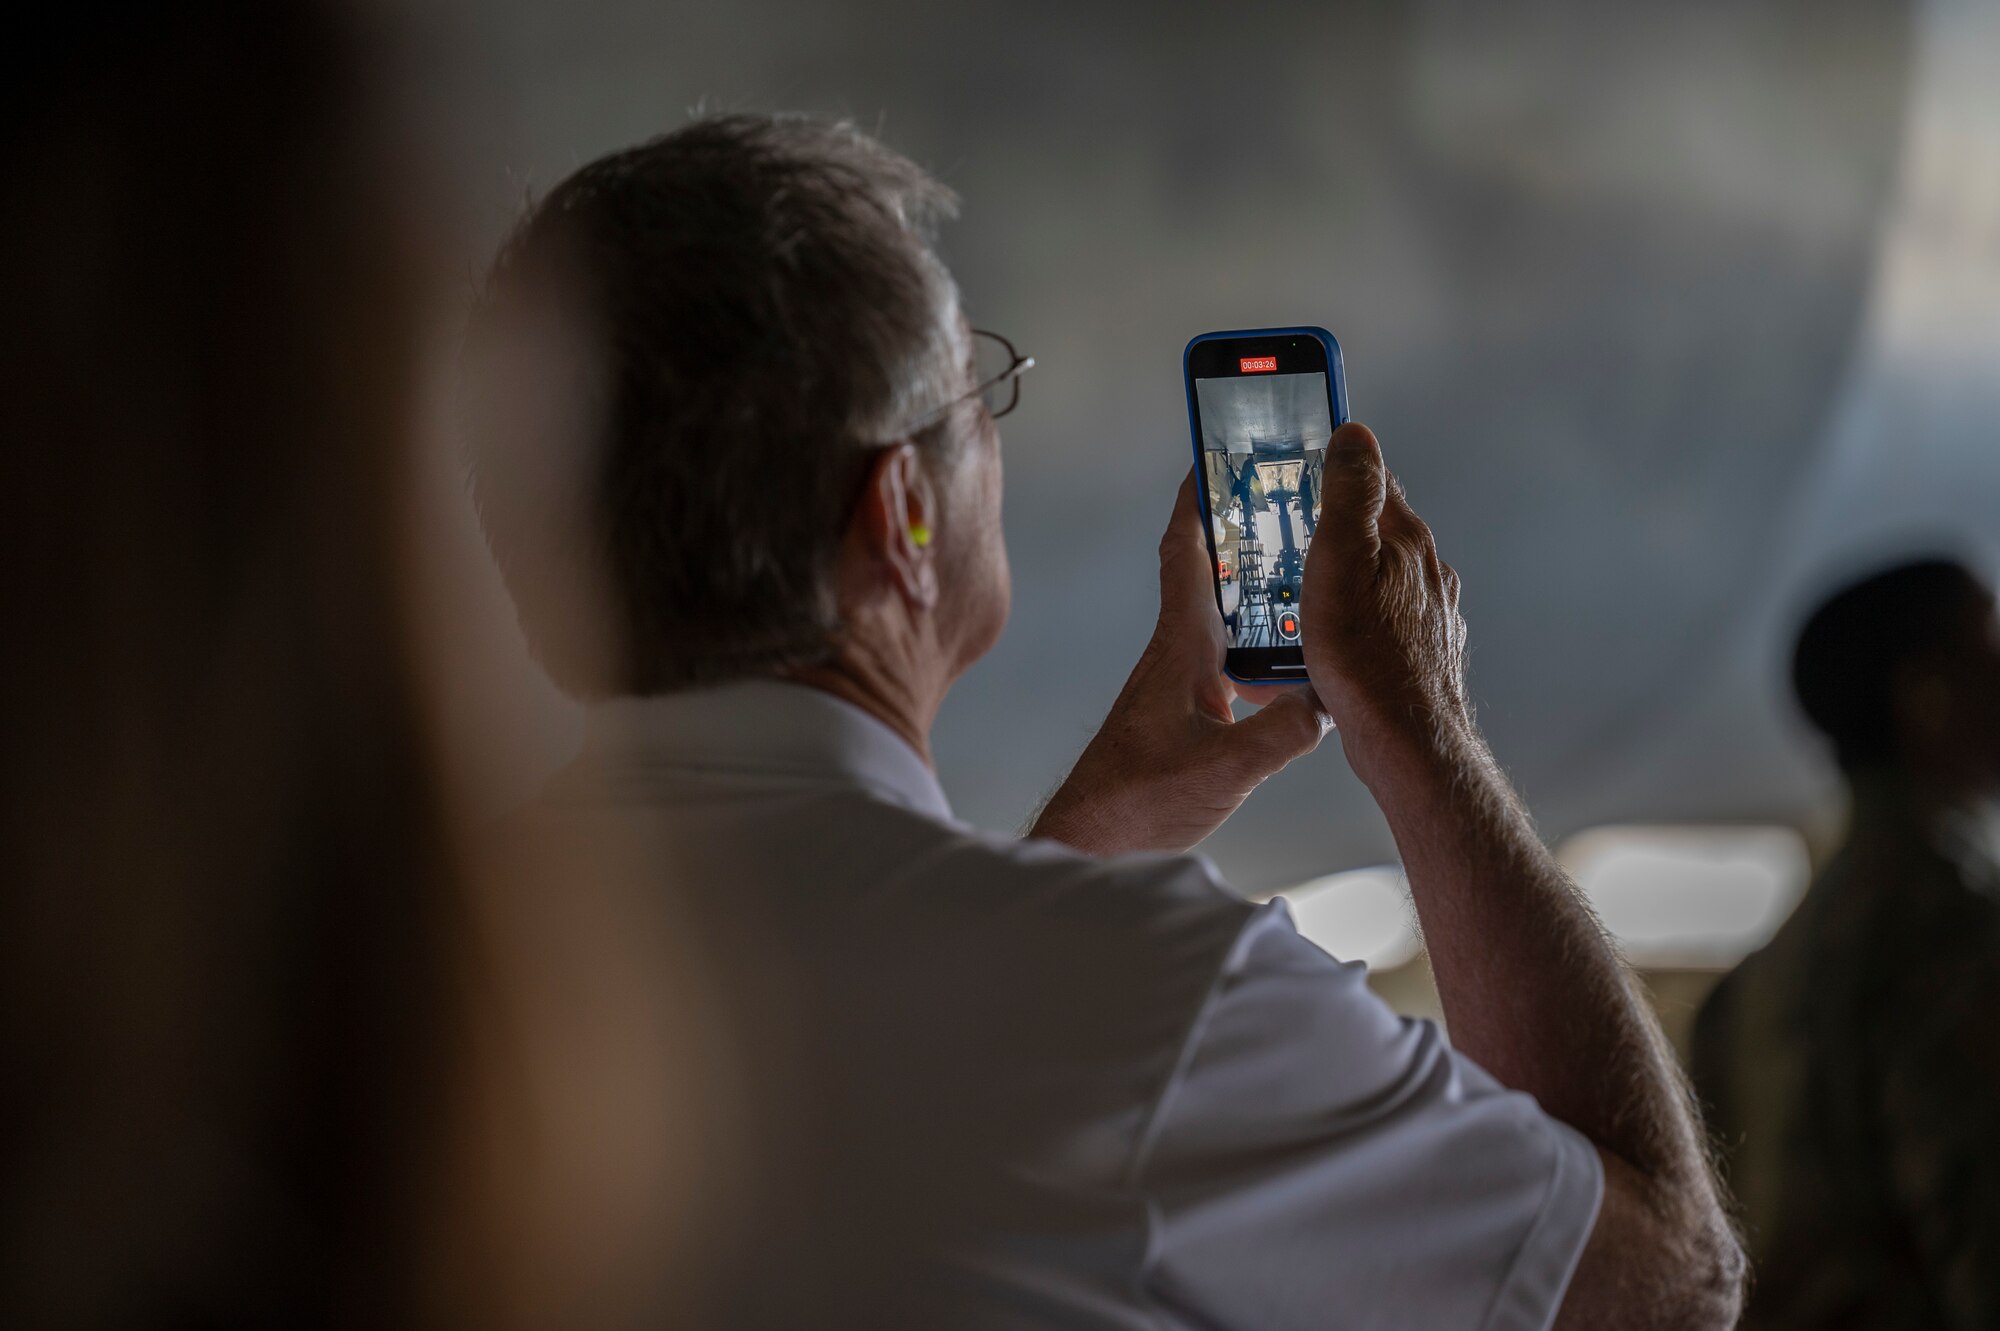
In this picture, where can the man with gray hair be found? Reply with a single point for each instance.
(1069, 1079)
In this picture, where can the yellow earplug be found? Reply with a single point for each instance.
(920, 534)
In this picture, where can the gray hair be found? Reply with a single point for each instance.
(743, 307)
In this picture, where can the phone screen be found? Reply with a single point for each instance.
(1264, 415)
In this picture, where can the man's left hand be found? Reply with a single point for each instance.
(1170, 762)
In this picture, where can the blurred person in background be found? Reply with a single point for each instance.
(1853, 1064)
(256, 1070)
(1068, 1080)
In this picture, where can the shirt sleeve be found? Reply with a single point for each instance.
(1319, 1161)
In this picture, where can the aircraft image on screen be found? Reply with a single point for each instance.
(1264, 444)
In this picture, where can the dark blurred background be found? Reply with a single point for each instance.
(1667, 314)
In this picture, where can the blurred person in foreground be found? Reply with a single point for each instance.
(226, 877)
(1071, 1079)
(1853, 1064)
(254, 1070)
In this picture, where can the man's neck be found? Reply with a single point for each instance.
(879, 695)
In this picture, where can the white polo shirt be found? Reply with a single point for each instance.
(996, 1083)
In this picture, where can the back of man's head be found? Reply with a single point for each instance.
(750, 301)
(1856, 649)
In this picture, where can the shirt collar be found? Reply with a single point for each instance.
(764, 728)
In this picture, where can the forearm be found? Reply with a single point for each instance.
(1531, 988)
(1533, 991)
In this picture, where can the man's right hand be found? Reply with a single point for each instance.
(1384, 643)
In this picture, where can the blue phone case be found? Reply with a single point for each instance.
(1336, 380)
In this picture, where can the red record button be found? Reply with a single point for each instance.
(1288, 624)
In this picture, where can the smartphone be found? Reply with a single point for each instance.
(1262, 405)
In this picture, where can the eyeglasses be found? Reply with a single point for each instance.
(997, 371)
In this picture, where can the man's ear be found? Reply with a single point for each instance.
(897, 523)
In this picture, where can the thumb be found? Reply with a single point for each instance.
(1187, 585)
(1352, 492)
(1288, 727)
